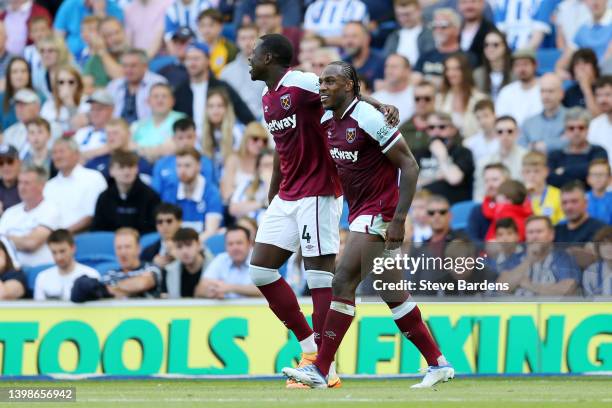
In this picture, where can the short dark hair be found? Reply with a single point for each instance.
(212, 13)
(279, 47)
(185, 236)
(183, 124)
(248, 26)
(272, 3)
(506, 223)
(573, 185)
(514, 191)
(585, 55)
(40, 122)
(603, 81)
(61, 235)
(497, 166)
(437, 198)
(190, 151)
(239, 228)
(601, 162)
(167, 208)
(504, 118)
(544, 218)
(603, 235)
(484, 104)
(124, 159)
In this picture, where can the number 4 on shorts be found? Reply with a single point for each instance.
(306, 235)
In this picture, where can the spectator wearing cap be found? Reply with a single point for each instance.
(221, 50)
(474, 27)
(175, 71)
(127, 202)
(199, 199)
(107, 47)
(181, 277)
(27, 108)
(75, 189)
(91, 139)
(328, 18)
(70, 14)
(168, 218)
(183, 13)
(9, 172)
(544, 131)
(227, 276)
(237, 73)
(153, 136)
(396, 86)
(191, 95)
(270, 18)
(118, 138)
(28, 224)
(17, 17)
(412, 38)
(600, 127)
(572, 162)
(369, 63)
(130, 92)
(144, 24)
(56, 282)
(525, 89)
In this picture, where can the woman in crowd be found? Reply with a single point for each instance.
(458, 95)
(251, 197)
(54, 54)
(496, 70)
(18, 77)
(13, 282)
(240, 167)
(221, 134)
(584, 71)
(597, 278)
(66, 108)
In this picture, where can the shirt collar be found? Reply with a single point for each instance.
(74, 171)
(198, 191)
(350, 107)
(281, 80)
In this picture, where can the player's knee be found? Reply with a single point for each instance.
(319, 279)
(344, 285)
(263, 276)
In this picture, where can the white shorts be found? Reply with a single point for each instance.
(370, 224)
(311, 223)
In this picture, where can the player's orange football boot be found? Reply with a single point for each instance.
(307, 359)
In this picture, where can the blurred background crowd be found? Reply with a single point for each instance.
(134, 161)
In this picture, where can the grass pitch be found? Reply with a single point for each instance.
(462, 392)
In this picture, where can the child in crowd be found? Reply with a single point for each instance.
(510, 202)
(545, 199)
(484, 143)
(599, 198)
(500, 251)
(38, 152)
(39, 28)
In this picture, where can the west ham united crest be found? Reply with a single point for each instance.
(351, 134)
(285, 101)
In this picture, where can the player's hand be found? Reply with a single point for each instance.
(391, 114)
(395, 234)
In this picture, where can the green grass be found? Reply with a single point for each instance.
(463, 392)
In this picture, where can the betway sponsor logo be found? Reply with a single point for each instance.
(289, 122)
(343, 154)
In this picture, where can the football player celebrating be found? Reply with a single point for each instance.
(368, 155)
(305, 194)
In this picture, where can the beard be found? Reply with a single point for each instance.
(352, 52)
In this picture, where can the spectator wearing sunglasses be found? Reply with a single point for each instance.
(510, 154)
(572, 163)
(447, 168)
(9, 172)
(414, 129)
(168, 219)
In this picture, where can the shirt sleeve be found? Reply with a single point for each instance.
(214, 269)
(212, 197)
(589, 279)
(62, 17)
(566, 267)
(50, 217)
(543, 15)
(373, 123)
(39, 293)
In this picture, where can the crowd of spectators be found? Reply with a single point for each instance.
(138, 117)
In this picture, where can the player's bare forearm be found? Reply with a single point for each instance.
(391, 112)
(276, 178)
(402, 158)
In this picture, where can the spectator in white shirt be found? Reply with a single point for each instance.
(28, 224)
(328, 17)
(228, 274)
(485, 142)
(521, 98)
(92, 139)
(56, 283)
(600, 128)
(411, 39)
(75, 189)
(397, 90)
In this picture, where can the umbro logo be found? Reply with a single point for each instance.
(331, 334)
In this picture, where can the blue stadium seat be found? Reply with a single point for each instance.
(216, 244)
(161, 61)
(461, 214)
(104, 267)
(547, 58)
(33, 271)
(95, 247)
(148, 239)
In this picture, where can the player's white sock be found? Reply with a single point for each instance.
(442, 361)
(332, 370)
(308, 344)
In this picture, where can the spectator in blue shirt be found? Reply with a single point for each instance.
(543, 269)
(525, 22)
(183, 13)
(599, 198)
(597, 278)
(164, 171)
(598, 34)
(72, 12)
(369, 63)
(199, 199)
